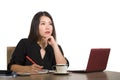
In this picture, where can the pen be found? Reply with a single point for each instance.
(30, 59)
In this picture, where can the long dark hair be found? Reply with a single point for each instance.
(34, 30)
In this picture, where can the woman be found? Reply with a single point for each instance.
(40, 46)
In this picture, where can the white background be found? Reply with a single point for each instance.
(80, 26)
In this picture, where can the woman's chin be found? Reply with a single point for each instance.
(47, 36)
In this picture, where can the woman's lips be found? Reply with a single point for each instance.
(47, 32)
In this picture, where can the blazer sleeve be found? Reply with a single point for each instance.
(63, 54)
(19, 53)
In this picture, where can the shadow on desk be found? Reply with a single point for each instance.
(97, 76)
(49, 77)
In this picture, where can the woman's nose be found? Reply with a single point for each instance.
(47, 26)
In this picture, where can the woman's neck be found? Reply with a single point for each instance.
(42, 43)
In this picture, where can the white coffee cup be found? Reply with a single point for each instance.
(61, 68)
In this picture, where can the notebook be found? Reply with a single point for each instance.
(97, 61)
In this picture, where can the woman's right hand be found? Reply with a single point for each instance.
(35, 68)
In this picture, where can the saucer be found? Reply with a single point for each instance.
(61, 73)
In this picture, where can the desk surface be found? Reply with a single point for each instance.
(106, 75)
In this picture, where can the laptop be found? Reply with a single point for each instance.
(97, 61)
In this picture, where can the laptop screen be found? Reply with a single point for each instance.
(98, 59)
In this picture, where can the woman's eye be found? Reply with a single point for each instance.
(42, 23)
(50, 23)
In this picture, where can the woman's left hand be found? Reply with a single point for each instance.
(51, 41)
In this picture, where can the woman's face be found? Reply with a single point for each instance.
(45, 27)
